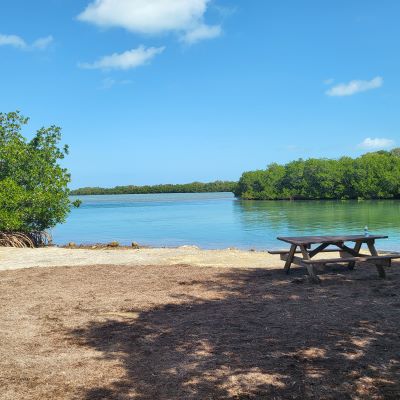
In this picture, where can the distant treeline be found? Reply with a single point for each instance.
(194, 187)
(371, 176)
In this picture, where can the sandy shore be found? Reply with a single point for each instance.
(11, 258)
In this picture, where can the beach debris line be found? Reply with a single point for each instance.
(104, 246)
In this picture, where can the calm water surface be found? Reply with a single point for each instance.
(218, 220)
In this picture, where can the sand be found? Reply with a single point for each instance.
(11, 258)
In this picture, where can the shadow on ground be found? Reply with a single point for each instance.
(262, 336)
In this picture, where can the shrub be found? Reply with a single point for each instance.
(33, 186)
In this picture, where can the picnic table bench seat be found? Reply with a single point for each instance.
(286, 251)
(348, 255)
(386, 257)
(379, 261)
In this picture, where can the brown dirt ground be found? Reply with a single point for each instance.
(180, 332)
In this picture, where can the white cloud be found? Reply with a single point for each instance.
(152, 16)
(12, 40)
(376, 143)
(43, 43)
(18, 42)
(353, 87)
(202, 32)
(129, 59)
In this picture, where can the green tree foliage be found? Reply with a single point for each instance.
(195, 187)
(33, 186)
(371, 176)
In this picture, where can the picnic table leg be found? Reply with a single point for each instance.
(357, 249)
(372, 248)
(289, 259)
(310, 267)
(379, 266)
(381, 270)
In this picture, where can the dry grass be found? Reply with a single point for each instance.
(179, 332)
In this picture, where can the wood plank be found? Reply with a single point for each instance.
(356, 249)
(290, 258)
(295, 260)
(298, 261)
(346, 260)
(344, 254)
(313, 275)
(317, 250)
(379, 267)
(286, 251)
(371, 247)
(304, 252)
(310, 267)
(308, 240)
(381, 270)
(349, 250)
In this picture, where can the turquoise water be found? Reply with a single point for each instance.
(218, 220)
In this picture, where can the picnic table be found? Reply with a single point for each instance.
(349, 255)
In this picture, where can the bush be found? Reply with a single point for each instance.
(33, 186)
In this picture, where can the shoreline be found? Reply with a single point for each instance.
(17, 258)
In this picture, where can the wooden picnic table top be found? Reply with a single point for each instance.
(308, 240)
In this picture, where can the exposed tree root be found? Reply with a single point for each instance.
(23, 239)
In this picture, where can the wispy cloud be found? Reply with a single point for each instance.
(12, 40)
(43, 43)
(129, 59)
(19, 43)
(108, 83)
(356, 86)
(202, 32)
(185, 17)
(376, 143)
(329, 81)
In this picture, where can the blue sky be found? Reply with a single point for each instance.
(159, 91)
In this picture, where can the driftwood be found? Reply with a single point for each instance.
(24, 239)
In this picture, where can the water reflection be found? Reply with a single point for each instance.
(322, 217)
